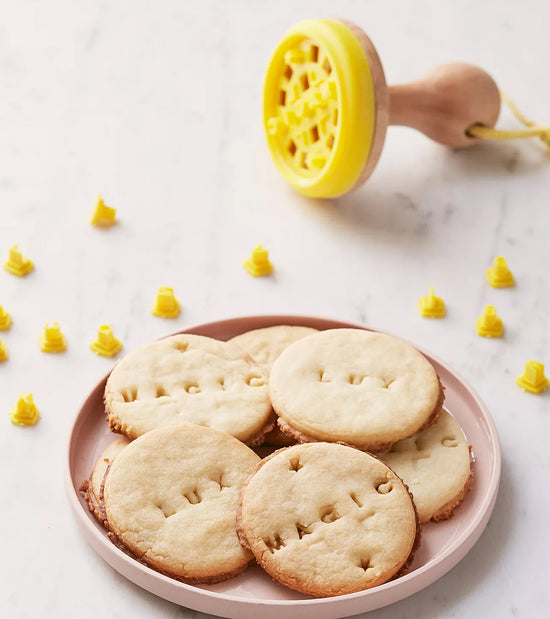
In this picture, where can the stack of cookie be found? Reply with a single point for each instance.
(369, 454)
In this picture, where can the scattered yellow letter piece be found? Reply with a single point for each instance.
(499, 275)
(533, 379)
(5, 319)
(106, 343)
(17, 264)
(3, 351)
(52, 339)
(489, 324)
(166, 305)
(102, 215)
(24, 413)
(258, 264)
(431, 306)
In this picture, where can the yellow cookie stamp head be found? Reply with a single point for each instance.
(17, 264)
(431, 306)
(320, 108)
(326, 107)
(5, 319)
(106, 343)
(52, 339)
(258, 263)
(166, 305)
(489, 324)
(24, 413)
(533, 379)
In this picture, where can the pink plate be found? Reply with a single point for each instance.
(253, 593)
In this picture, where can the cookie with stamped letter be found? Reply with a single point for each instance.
(189, 379)
(264, 346)
(327, 519)
(171, 499)
(356, 386)
(436, 466)
(91, 489)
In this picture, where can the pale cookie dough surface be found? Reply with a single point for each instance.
(171, 499)
(265, 345)
(92, 487)
(189, 379)
(106, 458)
(436, 466)
(363, 388)
(327, 519)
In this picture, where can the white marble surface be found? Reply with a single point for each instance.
(157, 107)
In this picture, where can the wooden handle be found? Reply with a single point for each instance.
(445, 102)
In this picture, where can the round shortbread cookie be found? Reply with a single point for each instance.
(355, 386)
(189, 379)
(327, 519)
(171, 499)
(436, 466)
(265, 345)
(91, 488)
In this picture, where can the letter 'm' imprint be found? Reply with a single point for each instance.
(274, 543)
(193, 497)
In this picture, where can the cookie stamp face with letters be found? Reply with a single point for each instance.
(189, 379)
(171, 500)
(355, 386)
(327, 519)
